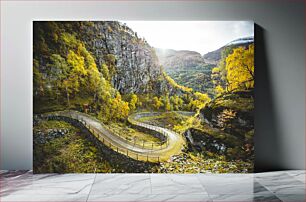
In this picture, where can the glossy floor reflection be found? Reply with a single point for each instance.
(271, 186)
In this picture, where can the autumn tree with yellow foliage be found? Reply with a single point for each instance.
(240, 69)
(201, 99)
(133, 101)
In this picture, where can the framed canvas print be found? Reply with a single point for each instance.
(143, 96)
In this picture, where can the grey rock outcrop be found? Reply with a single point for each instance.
(136, 66)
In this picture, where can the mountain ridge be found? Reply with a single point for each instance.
(173, 59)
(213, 57)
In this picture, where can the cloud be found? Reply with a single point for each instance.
(200, 36)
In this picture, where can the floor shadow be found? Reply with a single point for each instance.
(267, 145)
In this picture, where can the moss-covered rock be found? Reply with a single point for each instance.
(232, 113)
(226, 127)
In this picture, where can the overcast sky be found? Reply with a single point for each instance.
(200, 36)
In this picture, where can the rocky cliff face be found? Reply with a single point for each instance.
(136, 65)
(130, 63)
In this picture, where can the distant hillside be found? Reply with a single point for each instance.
(178, 59)
(214, 56)
(187, 68)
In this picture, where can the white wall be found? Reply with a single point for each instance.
(280, 62)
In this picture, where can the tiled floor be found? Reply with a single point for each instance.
(273, 186)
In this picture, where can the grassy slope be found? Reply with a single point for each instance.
(165, 119)
(73, 153)
(70, 153)
(197, 78)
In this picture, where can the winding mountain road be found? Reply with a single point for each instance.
(173, 145)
